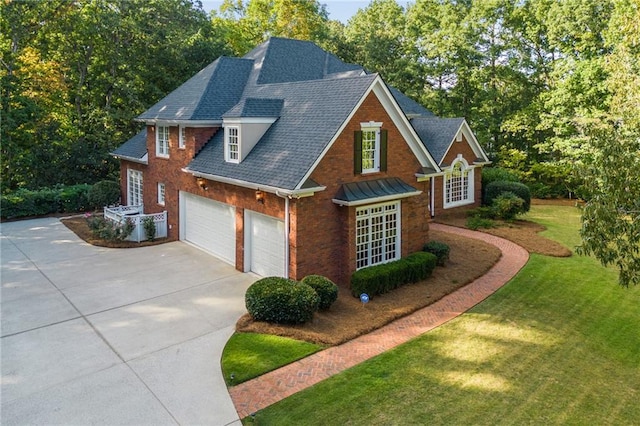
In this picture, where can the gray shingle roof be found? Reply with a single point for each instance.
(285, 60)
(310, 92)
(256, 107)
(312, 113)
(205, 96)
(437, 133)
(134, 148)
(408, 105)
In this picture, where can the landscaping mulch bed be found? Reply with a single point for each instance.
(78, 224)
(525, 234)
(349, 318)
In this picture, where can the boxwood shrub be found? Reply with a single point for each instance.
(281, 300)
(495, 189)
(507, 205)
(104, 193)
(383, 278)
(326, 289)
(441, 250)
(61, 199)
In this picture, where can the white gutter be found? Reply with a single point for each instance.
(287, 220)
(296, 193)
(176, 122)
(142, 160)
(433, 198)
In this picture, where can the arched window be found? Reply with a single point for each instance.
(458, 184)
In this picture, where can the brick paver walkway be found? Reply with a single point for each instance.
(256, 394)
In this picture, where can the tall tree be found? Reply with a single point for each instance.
(611, 217)
(75, 73)
(378, 34)
(247, 24)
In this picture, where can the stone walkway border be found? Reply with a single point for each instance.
(254, 395)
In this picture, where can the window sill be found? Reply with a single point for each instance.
(458, 204)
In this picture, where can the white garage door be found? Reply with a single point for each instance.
(265, 245)
(209, 225)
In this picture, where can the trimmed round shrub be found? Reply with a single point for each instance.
(281, 300)
(441, 250)
(104, 193)
(498, 174)
(507, 206)
(326, 289)
(495, 189)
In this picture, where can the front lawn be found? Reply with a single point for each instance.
(559, 344)
(256, 354)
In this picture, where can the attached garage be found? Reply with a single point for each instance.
(209, 225)
(264, 244)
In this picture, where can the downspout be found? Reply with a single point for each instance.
(286, 233)
(432, 210)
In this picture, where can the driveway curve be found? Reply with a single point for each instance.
(256, 394)
(93, 335)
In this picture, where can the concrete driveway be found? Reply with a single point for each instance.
(113, 336)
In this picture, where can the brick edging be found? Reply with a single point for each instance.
(256, 394)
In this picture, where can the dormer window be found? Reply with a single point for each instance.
(232, 144)
(162, 141)
(370, 144)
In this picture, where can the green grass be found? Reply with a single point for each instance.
(559, 344)
(248, 355)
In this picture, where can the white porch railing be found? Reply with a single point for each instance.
(135, 214)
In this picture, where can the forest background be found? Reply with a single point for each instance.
(551, 88)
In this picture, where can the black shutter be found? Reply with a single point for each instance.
(383, 150)
(357, 152)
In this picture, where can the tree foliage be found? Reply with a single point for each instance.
(75, 73)
(611, 218)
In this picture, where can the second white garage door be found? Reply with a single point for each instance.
(264, 244)
(209, 225)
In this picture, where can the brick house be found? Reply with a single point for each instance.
(290, 162)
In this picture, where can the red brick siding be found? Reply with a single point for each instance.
(124, 178)
(324, 238)
(169, 171)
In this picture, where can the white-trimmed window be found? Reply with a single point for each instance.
(161, 193)
(370, 148)
(182, 138)
(232, 144)
(162, 141)
(458, 184)
(134, 187)
(377, 234)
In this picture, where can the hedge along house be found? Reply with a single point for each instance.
(290, 162)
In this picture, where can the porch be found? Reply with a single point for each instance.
(135, 214)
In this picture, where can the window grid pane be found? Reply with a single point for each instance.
(161, 193)
(457, 185)
(368, 149)
(135, 188)
(163, 140)
(376, 235)
(233, 143)
(183, 136)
